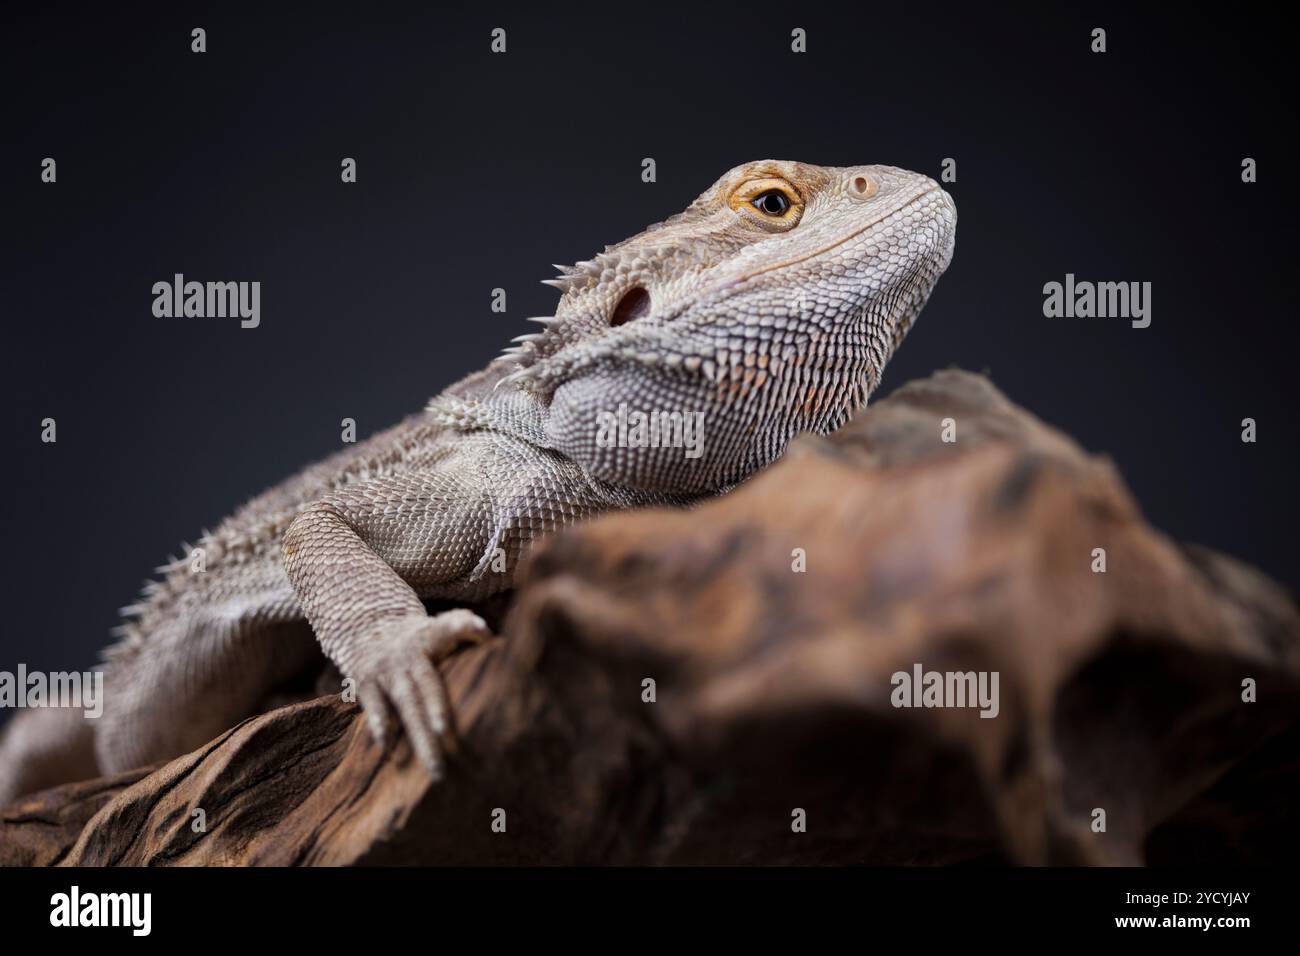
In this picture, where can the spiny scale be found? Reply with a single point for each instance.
(354, 544)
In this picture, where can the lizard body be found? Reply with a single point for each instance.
(767, 308)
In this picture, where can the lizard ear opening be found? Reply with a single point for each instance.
(634, 305)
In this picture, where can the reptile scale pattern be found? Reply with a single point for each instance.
(761, 325)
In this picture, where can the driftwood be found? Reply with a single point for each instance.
(1119, 691)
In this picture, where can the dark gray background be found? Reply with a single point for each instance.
(477, 171)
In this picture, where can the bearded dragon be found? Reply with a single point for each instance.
(767, 308)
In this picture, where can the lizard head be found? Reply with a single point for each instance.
(768, 307)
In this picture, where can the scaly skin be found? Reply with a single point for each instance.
(771, 306)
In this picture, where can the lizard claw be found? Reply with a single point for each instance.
(379, 716)
(398, 677)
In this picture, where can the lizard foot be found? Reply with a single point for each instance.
(398, 678)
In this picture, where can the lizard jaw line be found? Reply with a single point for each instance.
(730, 284)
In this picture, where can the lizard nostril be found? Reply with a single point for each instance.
(634, 304)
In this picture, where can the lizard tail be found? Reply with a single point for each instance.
(44, 747)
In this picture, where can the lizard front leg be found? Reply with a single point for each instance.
(360, 560)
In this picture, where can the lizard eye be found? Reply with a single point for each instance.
(770, 202)
(773, 202)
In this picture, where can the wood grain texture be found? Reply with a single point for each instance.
(1119, 690)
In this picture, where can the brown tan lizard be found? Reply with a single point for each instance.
(767, 308)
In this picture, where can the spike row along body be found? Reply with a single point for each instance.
(768, 307)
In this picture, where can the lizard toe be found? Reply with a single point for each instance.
(451, 629)
(408, 696)
(378, 713)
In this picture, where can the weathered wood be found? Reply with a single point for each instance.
(1119, 691)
